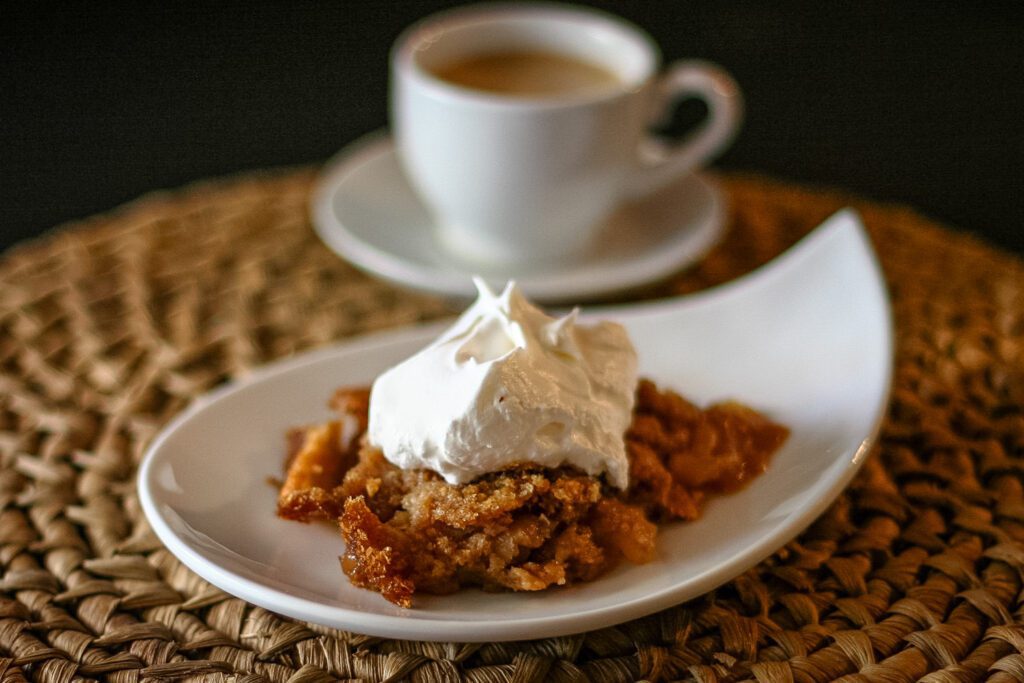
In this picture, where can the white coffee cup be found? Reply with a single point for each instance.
(517, 179)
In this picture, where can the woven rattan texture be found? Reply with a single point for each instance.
(109, 328)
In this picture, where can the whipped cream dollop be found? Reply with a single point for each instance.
(508, 384)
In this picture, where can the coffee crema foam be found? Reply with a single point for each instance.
(527, 73)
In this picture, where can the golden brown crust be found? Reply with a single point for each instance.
(316, 468)
(318, 458)
(680, 454)
(375, 555)
(624, 530)
(522, 529)
(525, 528)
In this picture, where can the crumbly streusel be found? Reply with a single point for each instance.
(525, 528)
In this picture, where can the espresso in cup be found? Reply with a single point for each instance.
(528, 74)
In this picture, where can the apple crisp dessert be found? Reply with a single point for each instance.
(526, 527)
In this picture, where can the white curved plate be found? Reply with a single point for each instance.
(365, 210)
(807, 339)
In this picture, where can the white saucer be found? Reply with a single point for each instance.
(365, 210)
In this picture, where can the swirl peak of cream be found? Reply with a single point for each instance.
(505, 385)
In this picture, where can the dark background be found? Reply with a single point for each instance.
(918, 102)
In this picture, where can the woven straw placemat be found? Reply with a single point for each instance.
(110, 327)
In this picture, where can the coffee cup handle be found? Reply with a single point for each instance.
(660, 162)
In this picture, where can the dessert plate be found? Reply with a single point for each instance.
(365, 210)
(807, 339)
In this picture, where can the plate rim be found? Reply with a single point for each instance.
(522, 628)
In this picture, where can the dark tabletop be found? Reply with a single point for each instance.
(916, 102)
